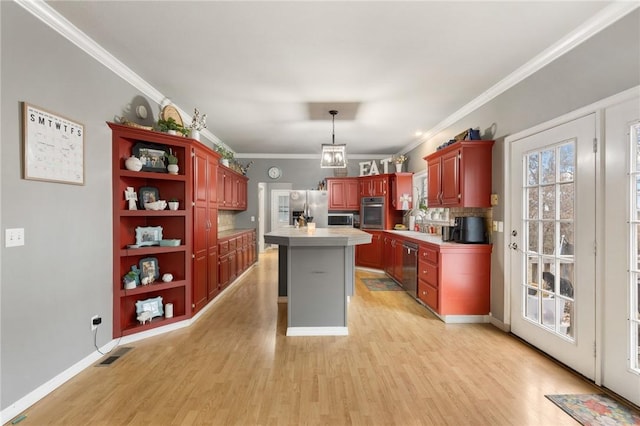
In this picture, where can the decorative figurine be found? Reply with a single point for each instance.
(144, 317)
(131, 196)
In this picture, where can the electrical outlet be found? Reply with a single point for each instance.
(95, 322)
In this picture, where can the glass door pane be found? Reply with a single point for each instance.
(549, 191)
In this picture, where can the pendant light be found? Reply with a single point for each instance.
(333, 156)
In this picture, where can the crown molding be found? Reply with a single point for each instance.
(607, 16)
(65, 28)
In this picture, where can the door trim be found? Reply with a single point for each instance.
(596, 108)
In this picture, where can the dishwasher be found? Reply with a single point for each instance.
(410, 268)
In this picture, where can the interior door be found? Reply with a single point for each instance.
(552, 242)
(279, 208)
(621, 330)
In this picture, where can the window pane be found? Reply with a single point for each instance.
(532, 307)
(566, 279)
(533, 202)
(548, 310)
(566, 200)
(548, 166)
(566, 238)
(548, 237)
(532, 169)
(548, 201)
(533, 237)
(566, 317)
(567, 155)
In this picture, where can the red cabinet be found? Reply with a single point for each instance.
(460, 175)
(455, 279)
(176, 224)
(236, 253)
(374, 186)
(205, 285)
(344, 193)
(370, 255)
(232, 189)
(401, 185)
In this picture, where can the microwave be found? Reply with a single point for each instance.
(340, 219)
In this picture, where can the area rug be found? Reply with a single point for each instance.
(381, 284)
(596, 409)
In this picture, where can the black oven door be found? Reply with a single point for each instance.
(372, 216)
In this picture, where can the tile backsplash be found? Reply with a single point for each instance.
(226, 220)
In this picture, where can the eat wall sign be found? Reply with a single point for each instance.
(368, 168)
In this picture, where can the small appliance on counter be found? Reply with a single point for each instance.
(447, 233)
(469, 230)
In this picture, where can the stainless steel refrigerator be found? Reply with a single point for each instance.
(310, 204)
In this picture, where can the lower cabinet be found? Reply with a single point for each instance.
(236, 253)
(370, 255)
(455, 279)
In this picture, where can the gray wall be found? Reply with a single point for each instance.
(604, 65)
(62, 276)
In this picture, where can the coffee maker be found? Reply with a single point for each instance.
(469, 230)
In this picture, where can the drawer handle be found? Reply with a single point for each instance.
(424, 292)
(425, 271)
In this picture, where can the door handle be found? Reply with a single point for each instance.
(513, 246)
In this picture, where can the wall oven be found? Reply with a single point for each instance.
(372, 213)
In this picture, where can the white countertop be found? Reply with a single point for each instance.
(291, 236)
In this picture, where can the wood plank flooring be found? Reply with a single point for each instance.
(398, 366)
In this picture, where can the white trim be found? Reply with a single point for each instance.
(499, 324)
(317, 331)
(46, 388)
(607, 16)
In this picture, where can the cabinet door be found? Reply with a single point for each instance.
(352, 199)
(229, 190)
(451, 179)
(200, 230)
(398, 252)
(233, 266)
(337, 192)
(242, 194)
(388, 244)
(223, 271)
(220, 186)
(370, 255)
(434, 183)
(213, 286)
(379, 186)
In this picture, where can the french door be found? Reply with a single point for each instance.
(621, 325)
(552, 242)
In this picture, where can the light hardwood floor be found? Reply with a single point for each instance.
(398, 366)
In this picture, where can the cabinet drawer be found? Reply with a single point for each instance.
(428, 253)
(245, 239)
(428, 272)
(428, 295)
(232, 244)
(223, 247)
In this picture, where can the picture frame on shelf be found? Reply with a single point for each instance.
(153, 156)
(148, 194)
(153, 305)
(149, 268)
(148, 235)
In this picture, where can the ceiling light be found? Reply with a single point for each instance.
(333, 156)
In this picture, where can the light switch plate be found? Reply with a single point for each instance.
(494, 199)
(14, 237)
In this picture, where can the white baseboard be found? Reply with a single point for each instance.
(317, 331)
(499, 324)
(464, 319)
(45, 389)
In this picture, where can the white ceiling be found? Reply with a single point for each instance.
(262, 70)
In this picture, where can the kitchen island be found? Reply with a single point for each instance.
(317, 267)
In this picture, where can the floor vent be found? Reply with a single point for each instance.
(113, 358)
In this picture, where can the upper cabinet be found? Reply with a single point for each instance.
(374, 186)
(231, 189)
(343, 193)
(401, 193)
(460, 175)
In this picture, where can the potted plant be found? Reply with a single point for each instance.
(399, 160)
(198, 123)
(173, 204)
(131, 280)
(172, 167)
(171, 126)
(227, 156)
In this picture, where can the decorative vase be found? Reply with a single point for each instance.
(133, 163)
(194, 134)
(173, 169)
(225, 162)
(173, 205)
(398, 167)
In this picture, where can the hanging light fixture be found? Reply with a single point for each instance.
(333, 156)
